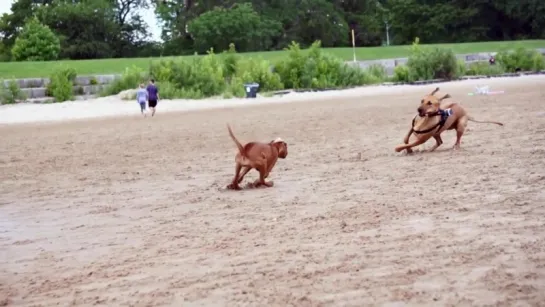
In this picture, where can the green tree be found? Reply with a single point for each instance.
(87, 29)
(36, 43)
(114, 28)
(21, 10)
(5, 53)
(367, 19)
(131, 29)
(320, 20)
(239, 24)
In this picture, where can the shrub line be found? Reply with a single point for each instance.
(301, 71)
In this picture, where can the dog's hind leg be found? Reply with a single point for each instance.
(438, 142)
(460, 129)
(244, 172)
(234, 184)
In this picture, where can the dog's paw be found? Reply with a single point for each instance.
(399, 148)
(233, 187)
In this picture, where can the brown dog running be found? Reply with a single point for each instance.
(261, 156)
(432, 120)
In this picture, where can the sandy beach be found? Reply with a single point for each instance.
(115, 107)
(100, 206)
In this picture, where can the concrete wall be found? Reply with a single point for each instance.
(35, 88)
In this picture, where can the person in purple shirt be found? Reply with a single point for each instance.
(153, 96)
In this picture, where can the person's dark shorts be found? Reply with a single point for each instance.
(152, 103)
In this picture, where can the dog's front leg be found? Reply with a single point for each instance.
(406, 140)
(269, 168)
(263, 173)
(419, 141)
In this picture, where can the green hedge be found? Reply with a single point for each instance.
(427, 63)
(224, 74)
(521, 59)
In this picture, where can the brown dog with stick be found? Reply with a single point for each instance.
(261, 156)
(432, 120)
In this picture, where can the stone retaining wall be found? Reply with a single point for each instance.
(80, 81)
(390, 64)
(87, 86)
(35, 89)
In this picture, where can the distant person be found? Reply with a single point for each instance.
(153, 96)
(142, 98)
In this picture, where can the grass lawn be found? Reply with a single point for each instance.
(113, 66)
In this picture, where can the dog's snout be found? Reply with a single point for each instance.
(419, 109)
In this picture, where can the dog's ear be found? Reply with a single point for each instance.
(444, 97)
(434, 91)
(282, 149)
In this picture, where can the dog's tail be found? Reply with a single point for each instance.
(471, 119)
(239, 146)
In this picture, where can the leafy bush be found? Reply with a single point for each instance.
(130, 79)
(61, 84)
(313, 69)
(225, 74)
(538, 62)
(259, 71)
(69, 72)
(401, 73)
(230, 60)
(93, 81)
(484, 69)
(521, 59)
(202, 75)
(198, 77)
(461, 68)
(235, 88)
(11, 93)
(376, 73)
(431, 63)
(36, 42)
(212, 75)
